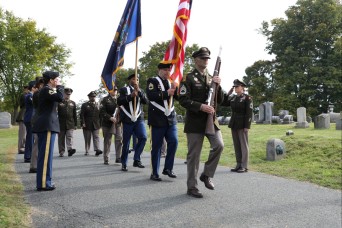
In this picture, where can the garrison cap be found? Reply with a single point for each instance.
(164, 65)
(131, 76)
(203, 52)
(31, 84)
(92, 94)
(68, 91)
(237, 82)
(50, 75)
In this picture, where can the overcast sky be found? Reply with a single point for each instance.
(88, 27)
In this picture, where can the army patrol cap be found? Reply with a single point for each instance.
(92, 94)
(203, 52)
(131, 76)
(68, 91)
(164, 65)
(50, 75)
(31, 84)
(237, 83)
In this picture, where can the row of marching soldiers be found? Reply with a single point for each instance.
(126, 111)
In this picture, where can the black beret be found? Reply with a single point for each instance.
(203, 52)
(50, 74)
(92, 94)
(237, 82)
(31, 84)
(162, 65)
(68, 91)
(131, 76)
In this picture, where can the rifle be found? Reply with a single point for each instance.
(212, 98)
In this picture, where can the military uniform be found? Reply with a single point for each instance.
(34, 156)
(194, 90)
(242, 110)
(163, 120)
(132, 123)
(22, 128)
(67, 122)
(27, 121)
(108, 108)
(90, 122)
(47, 127)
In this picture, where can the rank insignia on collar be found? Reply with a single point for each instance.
(182, 90)
(150, 86)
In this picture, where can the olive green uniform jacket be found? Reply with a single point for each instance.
(194, 91)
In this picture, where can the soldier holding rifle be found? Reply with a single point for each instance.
(194, 92)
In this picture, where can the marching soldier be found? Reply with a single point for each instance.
(68, 122)
(47, 127)
(194, 90)
(132, 118)
(240, 122)
(162, 119)
(109, 112)
(90, 122)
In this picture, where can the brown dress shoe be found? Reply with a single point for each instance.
(194, 193)
(207, 182)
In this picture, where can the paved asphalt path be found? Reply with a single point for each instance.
(91, 194)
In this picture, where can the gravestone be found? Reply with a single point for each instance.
(301, 118)
(276, 120)
(288, 119)
(261, 114)
(289, 132)
(275, 149)
(283, 113)
(339, 122)
(223, 120)
(334, 116)
(268, 112)
(322, 121)
(5, 120)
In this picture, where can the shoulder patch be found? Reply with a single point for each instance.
(150, 86)
(182, 90)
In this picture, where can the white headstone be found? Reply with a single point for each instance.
(301, 118)
(322, 121)
(5, 120)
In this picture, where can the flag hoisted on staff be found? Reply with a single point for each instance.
(175, 53)
(129, 30)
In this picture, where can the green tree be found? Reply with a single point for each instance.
(307, 49)
(25, 52)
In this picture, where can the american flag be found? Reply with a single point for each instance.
(175, 53)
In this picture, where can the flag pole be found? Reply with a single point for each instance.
(135, 76)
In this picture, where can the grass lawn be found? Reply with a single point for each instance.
(13, 209)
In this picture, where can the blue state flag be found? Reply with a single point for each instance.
(129, 30)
